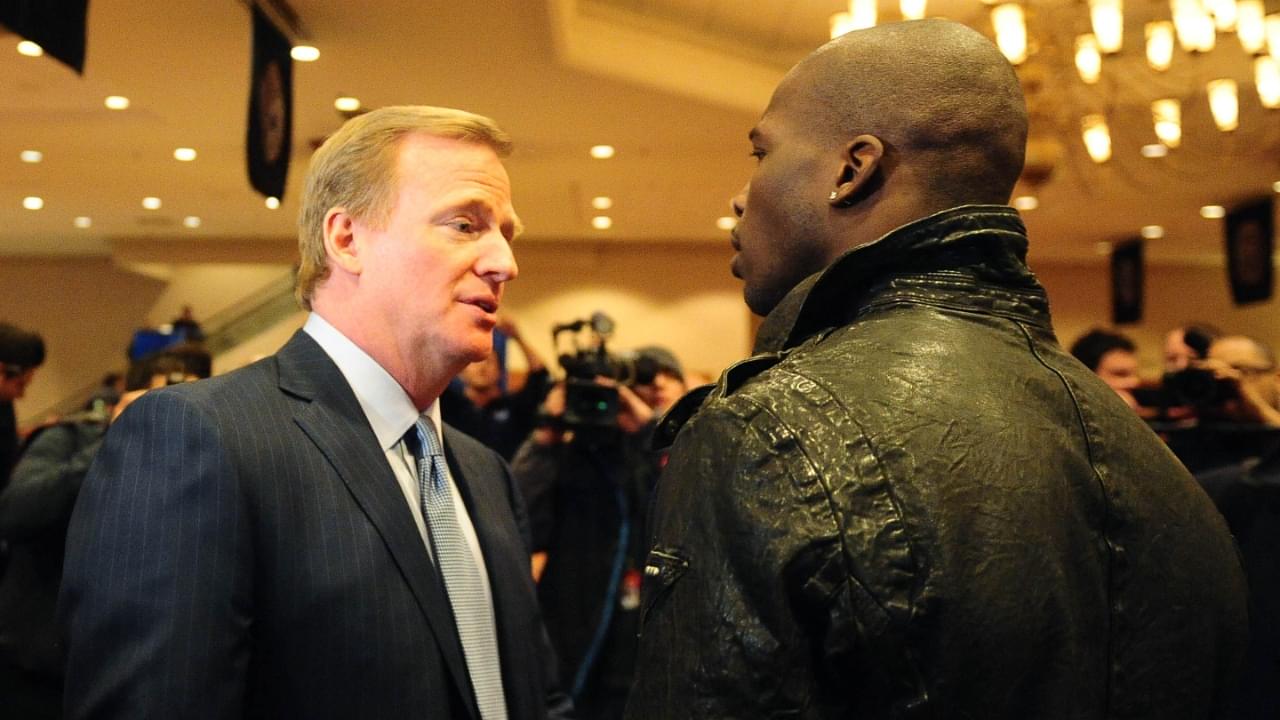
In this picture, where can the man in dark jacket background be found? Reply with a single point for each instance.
(21, 353)
(910, 502)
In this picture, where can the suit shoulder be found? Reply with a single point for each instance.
(463, 444)
(231, 400)
(243, 381)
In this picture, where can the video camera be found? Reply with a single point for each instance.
(588, 404)
(1196, 387)
(1192, 389)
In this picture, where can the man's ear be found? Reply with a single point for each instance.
(862, 156)
(340, 241)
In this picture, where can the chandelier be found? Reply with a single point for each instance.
(1193, 37)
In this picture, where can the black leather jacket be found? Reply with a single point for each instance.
(911, 503)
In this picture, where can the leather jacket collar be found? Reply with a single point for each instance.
(987, 242)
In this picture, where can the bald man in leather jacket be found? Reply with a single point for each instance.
(910, 502)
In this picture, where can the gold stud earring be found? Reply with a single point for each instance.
(832, 196)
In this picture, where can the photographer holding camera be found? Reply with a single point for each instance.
(1240, 470)
(586, 475)
(1246, 372)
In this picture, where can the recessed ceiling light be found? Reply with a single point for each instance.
(602, 152)
(82, 222)
(1213, 212)
(31, 202)
(346, 103)
(1026, 202)
(31, 156)
(1152, 232)
(1154, 150)
(1102, 248)
(601, 202)
(116, 102)
(602, 222)
(184, 154)
(191, 221)
(272, 203)
(1276, 186)
(30, 49)
(726, 222)
(304, 53)
(151, 203)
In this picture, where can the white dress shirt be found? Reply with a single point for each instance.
(391, 413)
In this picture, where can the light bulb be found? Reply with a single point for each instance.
(1010, 23)
(1088, 59)
(1224, 104)
(1097, 138)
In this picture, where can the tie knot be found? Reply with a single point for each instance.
(421, 439)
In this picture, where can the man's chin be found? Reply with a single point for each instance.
(757, 302)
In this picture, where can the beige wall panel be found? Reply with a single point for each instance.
(211, 288)
(86, 309)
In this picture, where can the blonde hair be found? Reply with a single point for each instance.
(356, 169)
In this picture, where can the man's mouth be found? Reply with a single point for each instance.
(487, 304)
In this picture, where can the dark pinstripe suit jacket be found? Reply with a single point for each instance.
(241, 549)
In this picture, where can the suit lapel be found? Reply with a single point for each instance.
(337, 426)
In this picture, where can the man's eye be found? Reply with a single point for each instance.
(462, 226)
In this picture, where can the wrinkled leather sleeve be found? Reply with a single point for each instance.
(754, 565)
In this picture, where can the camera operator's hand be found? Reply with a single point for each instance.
(552, 407)
(633, 413)
(507, 327)
(1249, 404)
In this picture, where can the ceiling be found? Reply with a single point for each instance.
(674, 85)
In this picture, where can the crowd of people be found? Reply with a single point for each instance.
(1216, 404)
(908, 502)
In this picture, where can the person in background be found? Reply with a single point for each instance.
(21, 353)
(660, 378)
(910, 502)
(1248, 367)
(1243, 478)
(1187, 344)
(481, 406)
(588, 490)
(1112, 357)
(186, 326)
(35, 509)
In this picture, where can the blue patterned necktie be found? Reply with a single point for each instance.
(472, 607)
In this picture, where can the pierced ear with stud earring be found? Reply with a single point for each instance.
(843, 203)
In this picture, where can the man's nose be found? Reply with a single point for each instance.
(497, 261)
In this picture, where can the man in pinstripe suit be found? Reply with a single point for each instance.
(255, 545)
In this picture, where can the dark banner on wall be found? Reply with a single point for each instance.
(1126, 282)
(1250, 242)
(58, 26)
(270, 134)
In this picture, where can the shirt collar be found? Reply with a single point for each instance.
(386, 405)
